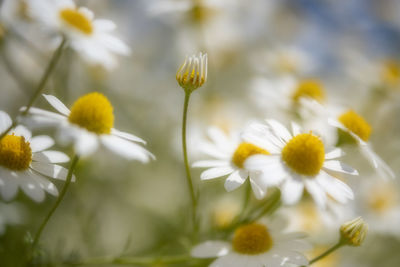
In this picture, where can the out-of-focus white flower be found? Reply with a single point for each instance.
(230, 153)
(89, 123)
(256, 245)
(192, 74)
(354, 232)
(360, 130)
(25, 163)
(10, 214)
(298, 161)
(14, 10)
(90, 37)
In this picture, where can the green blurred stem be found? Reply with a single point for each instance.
(135, 260)
(43, 81)
(59, 199)
(246, 199)
(187, 168)
(326, 253)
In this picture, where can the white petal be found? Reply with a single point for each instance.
(31, 187)
(292, 190)
(280, 130)
(41, 142)
(233, 260)
(337, 166)
(5, 121)
(57, 104)
(294, 245)
(335, 188)
(335, 153)
(44, 183)
(210, 249)
(379, 164)
(86, 143)
(51, 170)
(126, 149)
(235, 180)
(8, 184)
(51, 116)
(292, 257)
(104, 25)
(317, 193)
(50, 156)
(258, 188)
(271, 168)
(22, 131)
(210, 163)
(127, 136)
(216, 172)
(296, 129)
(213, 151)
(218, 137)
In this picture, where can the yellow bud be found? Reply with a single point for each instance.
(354, 232)
(193, 72)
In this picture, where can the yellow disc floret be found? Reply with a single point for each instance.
(15, 153)
(245, 150)
(304, 154)
(391, 72)
(252, 239)
(309, 88)
(77, 19)
(356, 124)
(94, 113)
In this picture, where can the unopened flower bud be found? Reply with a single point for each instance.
(193, 72)
(354, 232)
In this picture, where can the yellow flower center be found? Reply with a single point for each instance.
(391, 72)
(15, 153)
(93, 112)
(304, 154)
(252, 239)
(76, 19)
(356, 124)
(309, 88)
(245, 150)
(382, 199)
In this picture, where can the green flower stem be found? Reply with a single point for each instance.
(246, 199)
(151, 261)
(59, 199)
(43, 81)
(187, 168)
(326, 253)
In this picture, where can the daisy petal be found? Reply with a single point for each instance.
(317, 193)
(22, 131)
(126, 149)
(50, 157)
(57, 104)
(8, 185)
(337, 166)
(292, 190)
(335, 188)
(210, 249)
(209, 163)
(5, 121)
(258, 189)
(44, 183)
(335, 153)
(41, 142)
(51, 170)
(279, 130)
(86, 143)
(31, 187)
(216, 172)
(127, 136)
(382, 168)
(234, 180)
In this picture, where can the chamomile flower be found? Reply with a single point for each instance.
(256, 245)
(360, 130)
(90, 37)
(230, 153)
(298, 160)
(25, 163)
(88, 124)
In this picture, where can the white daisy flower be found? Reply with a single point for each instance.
(88, 124)
(360, 130)
(230, 153)
(299, 161)
(90, 37)
(25, 163)
(256, 245)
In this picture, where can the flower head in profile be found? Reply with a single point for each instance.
(192, 74)
(360, 130)
(354, 232)
(256, 244)
(300, 162)
(229, 155)
(88, 124)
(26, 163)
(90, 37)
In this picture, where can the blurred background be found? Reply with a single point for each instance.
(117, 207)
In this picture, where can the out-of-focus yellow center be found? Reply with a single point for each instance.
(391, 72)
(356, 124)
(245, 150)
(252, 239)
(15, 153)
(94, 113)
(382, 199)
(304, 154)
(309, 88)
(76, 19)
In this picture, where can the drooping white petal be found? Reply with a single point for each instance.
(127, 136)
(379, 164)
(126, 149)
(104, 25)
(5, 121)
(41, 142)
(337, 166)
(216, 172)
(335, 153)
(86, 143)
(44, 183)
(210, 249)
(8, 184)
(280, 130)
(57, 104)
(31, 187)
(335, 188)
(51, 116)
(292, 190)
(51, 170)
(291, 257)
(259, 189)
(271, 168)
(22, 131)
(50, 156)
(235, 180)
(210, 163)
(316, 192)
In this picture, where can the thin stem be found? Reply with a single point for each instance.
(326, 253)
(185, 158)
(59, 199)
(43, 81)
(246, 199)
